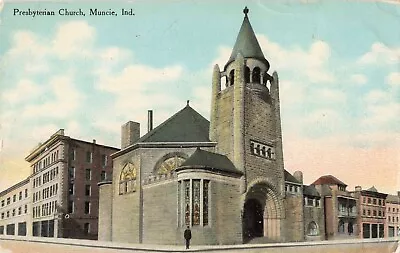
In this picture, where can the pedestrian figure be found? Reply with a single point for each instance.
(188, 235)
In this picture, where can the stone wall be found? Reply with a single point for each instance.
(160, 213)
(105, 211)
(126, 207)
(314, 214)
(226, 218)
(294, 230)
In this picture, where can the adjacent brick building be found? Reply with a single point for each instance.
(15, 209)
(392, 227)
(63, 186)
(372, 210)
(340, 208)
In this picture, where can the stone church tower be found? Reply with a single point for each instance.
(245, 122)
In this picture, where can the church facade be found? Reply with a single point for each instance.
(224, 178)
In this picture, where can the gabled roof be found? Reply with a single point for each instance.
(210, 161)
(187, 125)
(290, 178)
(372, 189)
(309, 190)
(246, 43)
(329, 180)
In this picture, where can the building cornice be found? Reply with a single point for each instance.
(163, 145)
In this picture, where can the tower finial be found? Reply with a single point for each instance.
(187, 102)
(245, 11)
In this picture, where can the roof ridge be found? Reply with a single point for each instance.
(186, 112)
(157, 128)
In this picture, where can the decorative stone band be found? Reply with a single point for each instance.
(159, 178)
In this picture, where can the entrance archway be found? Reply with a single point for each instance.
(262, 213)
(253, 220)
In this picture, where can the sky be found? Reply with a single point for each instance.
(338, 64)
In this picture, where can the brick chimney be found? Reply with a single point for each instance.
(130, 133)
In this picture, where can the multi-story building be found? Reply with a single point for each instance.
(392, 225)
(371, 217)
(63, 184)
(340, 208)
(15, 209)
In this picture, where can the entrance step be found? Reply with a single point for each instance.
(261, 240)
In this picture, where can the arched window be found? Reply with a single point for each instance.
(169, 163)
(247, 74)
(341, 227)
(256, 75)
(232, 77)
(127, 182)
(312, 228)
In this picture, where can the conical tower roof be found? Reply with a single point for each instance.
(246, 42)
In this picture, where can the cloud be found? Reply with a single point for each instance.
(358, 79)
(376, 96)
(72, 39)
(24, 90)
(63, 99)
(134, 78)
(380, 54)
(393, 79)
(330, 95)
(312, 62)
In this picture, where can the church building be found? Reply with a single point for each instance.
(224, 178)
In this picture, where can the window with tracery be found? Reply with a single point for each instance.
(205, 202)
(187, 202)
(127, 183)
(195, 202)
(170, 165)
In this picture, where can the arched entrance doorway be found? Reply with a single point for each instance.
(253, 220)
(262, 214)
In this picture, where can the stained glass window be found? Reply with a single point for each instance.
(179, 201)
(128, 179)
(170, 165)
(205, 202)
(196, 202)
(187, 202)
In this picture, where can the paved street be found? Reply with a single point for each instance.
(67, 246)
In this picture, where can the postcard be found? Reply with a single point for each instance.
(208, 123)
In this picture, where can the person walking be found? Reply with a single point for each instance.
(188, 235)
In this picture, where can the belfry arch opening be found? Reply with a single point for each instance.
(247, 74)
(232, 77)
(262, 214)
(256, 76)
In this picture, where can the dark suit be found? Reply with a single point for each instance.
(188, 235)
